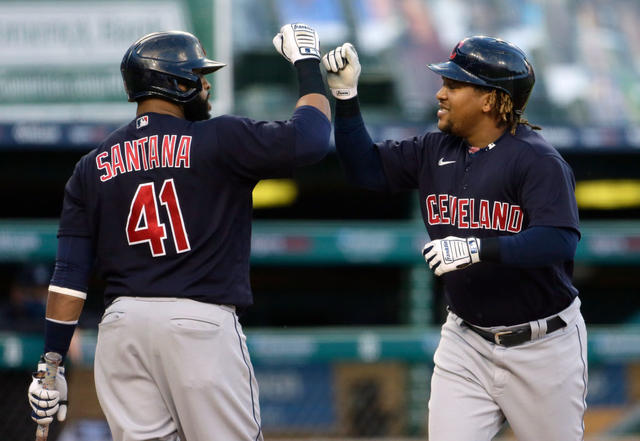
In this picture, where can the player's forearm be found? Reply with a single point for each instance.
(64, 307)
(535, 246)
(67, 291)
(356, 151)
(311, 86)
(63, 312)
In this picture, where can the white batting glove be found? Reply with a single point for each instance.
(45, 403)
(451, 253)
(343, 69)
(297, 41)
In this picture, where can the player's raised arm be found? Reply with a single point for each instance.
(300, 45)
(357, 152)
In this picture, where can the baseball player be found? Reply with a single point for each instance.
(498, 203)
(164, 204)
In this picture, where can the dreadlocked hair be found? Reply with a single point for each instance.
(503, 110)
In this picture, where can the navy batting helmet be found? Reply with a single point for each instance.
(493, 63)
(155, 64)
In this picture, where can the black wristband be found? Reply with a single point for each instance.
(309, 77)
(490, 249)
(348, 108)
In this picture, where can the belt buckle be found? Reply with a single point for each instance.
(498, 335)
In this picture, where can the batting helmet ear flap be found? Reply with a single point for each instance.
(156, 64)
(164, 83)
(193, 87)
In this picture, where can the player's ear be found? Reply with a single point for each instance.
(488, 100)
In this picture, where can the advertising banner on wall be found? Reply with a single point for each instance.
(61, 60)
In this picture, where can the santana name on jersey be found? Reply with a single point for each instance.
(461, 212)
(144, 154)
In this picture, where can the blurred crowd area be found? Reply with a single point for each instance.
(586, 53)
(23, 298)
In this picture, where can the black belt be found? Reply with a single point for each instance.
(517, 334)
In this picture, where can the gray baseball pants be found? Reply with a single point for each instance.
(539, 387)
(168, 367)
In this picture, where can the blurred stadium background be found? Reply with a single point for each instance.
(346, 317)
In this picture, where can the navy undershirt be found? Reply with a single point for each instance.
(74, 260)
(313, 131)
(533, 247)
(356, 151)
(73, 265)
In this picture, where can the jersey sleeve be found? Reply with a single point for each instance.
(548, 193)
(257, 149)
(74, 216)
(402, 162)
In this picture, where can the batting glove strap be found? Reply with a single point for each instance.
(343, 70)
(474, 249)
(451, 253)
(344, 94)
(297, 41)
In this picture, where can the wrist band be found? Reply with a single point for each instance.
(57, 336)
(309, 77)
(490, 249)
(347, 108)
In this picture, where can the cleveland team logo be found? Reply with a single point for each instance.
(472, 213)
(454, 52)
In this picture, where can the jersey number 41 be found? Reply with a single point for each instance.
(144, 225)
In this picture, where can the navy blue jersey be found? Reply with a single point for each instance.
(168, 203)
(518, 182)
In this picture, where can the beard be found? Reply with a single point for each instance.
(197, 109)
(446, 127)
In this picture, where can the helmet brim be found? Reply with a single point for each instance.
(206, 66)
(451, 70)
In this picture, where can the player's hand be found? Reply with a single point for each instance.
(297, 41)
(451, 253)
(343, 70)
(45, 403)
